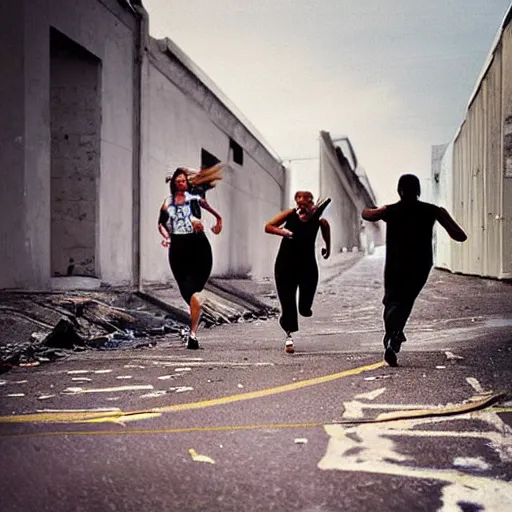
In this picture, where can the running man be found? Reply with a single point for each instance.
(296, 266)
(409, 258)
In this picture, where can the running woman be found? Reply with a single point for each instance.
(296, 266)
(190, 253)
(408, 255)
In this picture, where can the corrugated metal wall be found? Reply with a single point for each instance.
(481, 191)
(506, 223)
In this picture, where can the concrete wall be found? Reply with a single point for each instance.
(106, 30)
(349, 196)
(482, 170)
(182, 114)
(14, 254)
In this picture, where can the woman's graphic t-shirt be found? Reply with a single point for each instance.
(179, 216)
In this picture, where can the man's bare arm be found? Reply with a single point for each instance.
(373, 214)
(452, 228)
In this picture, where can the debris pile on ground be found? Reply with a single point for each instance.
(224, 301)
(40, 327)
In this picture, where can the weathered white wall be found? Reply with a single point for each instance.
(482, 171)
(106, 30)
(506, 250)
(182, 114)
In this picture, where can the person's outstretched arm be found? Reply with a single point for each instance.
(373, 214)
(452, 228)
(218, 226)
(326, 235)
(273, 225)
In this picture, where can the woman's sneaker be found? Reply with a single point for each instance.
(288, 346)
(193, 342)
(184, 334)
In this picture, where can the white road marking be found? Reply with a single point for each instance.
(211, 363)
(471, 463)
(181, 389)
(371, 450)
(475, 384)
(154, 394)
(371, 395)
(357, 407)
(450, 356)
(80, 391)
(375, 455)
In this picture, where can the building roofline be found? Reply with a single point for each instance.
(487, 64)
(190, 65)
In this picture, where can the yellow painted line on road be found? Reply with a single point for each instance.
(183, 430)
(72, 417)
(234, 428)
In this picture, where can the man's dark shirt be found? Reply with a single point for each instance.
(409, 237)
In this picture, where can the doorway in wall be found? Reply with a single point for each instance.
(75, 123)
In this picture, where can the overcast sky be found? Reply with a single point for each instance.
(394, 75)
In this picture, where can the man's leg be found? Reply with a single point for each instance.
(396, 314)
(400, 295)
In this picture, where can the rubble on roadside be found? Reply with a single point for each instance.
(41, 327)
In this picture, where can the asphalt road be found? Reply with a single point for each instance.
(241, 425)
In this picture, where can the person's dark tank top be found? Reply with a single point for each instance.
(409, 234)
(304, 236)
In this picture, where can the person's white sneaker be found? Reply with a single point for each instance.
(288, 346)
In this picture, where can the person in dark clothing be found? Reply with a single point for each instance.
(190, 253)
(296, 267)
(409, 259)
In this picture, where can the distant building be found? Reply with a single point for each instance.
(337, 174)
(346, 182)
